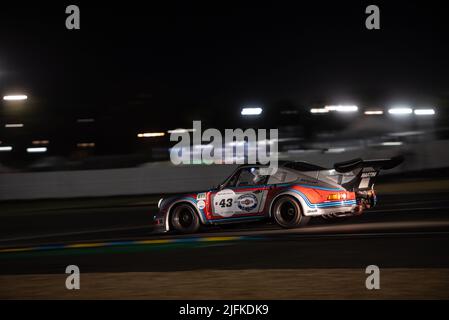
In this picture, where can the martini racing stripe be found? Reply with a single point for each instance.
(324, 204)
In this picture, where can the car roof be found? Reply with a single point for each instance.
(294, 165)
(303, 166)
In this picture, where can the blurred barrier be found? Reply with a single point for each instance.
(155, 178)
(149, 179)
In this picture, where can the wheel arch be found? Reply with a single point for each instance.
(292, 194)
(191, 202)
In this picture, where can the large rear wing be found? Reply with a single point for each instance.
(377, 164)
(365, 171)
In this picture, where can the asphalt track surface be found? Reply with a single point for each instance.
(403, 231)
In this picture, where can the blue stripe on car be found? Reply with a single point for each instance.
(319, 188)
(288, 185)
(324, 204)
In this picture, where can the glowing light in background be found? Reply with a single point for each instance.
(424, 112)
(391, 143)
(319, 110)
(335, 150)
(85, 145)
(14, 125)
(37, 150)
(373, 112)
(5, 148)
(180, 130)
(15, 97)
(40, 142)
(150, 134)
(400, 111)
(342, 108)
(251, 111)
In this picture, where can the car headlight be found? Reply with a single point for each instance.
(159, 203)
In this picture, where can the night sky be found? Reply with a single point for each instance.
(138, 64)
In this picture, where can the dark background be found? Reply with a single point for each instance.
(139, 66)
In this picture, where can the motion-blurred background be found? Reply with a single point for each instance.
(89, 112)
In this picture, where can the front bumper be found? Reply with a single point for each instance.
(158, 221)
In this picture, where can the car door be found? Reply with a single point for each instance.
(244, 195)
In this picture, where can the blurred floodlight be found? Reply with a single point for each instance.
(40, 142)
(151, 134)
(180, 130)
(14, 125)
(85, 120)
(15, 97)
(37, 150)
(342, 108)
(400, 110)
(373, 112)
(251, 111)
(5, 148)
(335, 150)
(85, 144)
(424, 112)
(391, 143)
(319, 110)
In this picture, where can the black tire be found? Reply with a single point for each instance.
(288, 214)
(184, 219)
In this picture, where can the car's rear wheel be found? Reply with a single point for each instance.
(287, 213)
(184, 219)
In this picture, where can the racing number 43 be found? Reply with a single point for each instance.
(226, 203)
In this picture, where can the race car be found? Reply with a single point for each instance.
(292, 195)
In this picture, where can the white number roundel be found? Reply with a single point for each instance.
(224, 204)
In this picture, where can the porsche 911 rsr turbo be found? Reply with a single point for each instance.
(290, 196)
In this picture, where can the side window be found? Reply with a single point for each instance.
(278, 177)
(282, 176)
(248, 177)
(291, 177)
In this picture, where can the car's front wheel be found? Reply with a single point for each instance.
(184, 219)
(287, 213)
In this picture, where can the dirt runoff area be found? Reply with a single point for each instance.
(233, 284)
